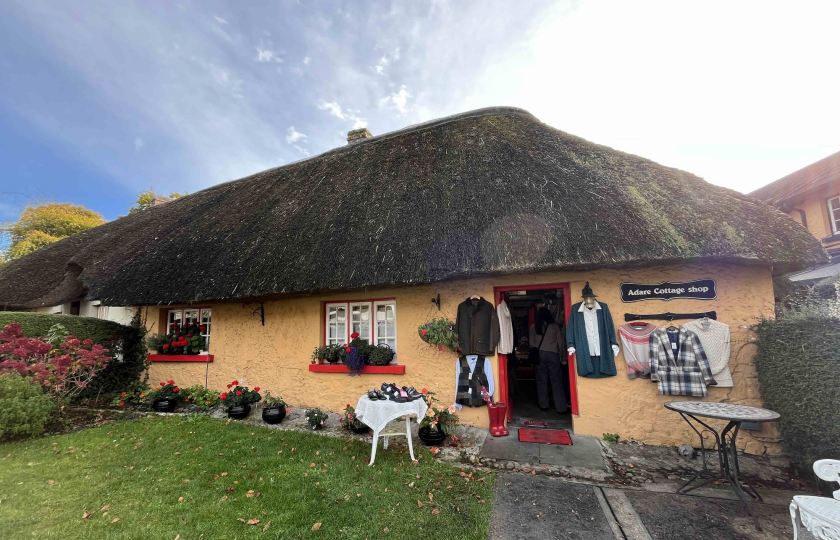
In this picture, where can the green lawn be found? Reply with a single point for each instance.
(193, 476)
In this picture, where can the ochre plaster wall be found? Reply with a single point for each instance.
(276, 357)
(816, 213)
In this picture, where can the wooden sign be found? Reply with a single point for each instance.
(701, 289)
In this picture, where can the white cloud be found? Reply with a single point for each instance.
(219, 19)
(267, 55)
(333, 107)
(306, 60)
(303, 151)
(397, 100)
(293, 135)
(139, 143)
(359, 123)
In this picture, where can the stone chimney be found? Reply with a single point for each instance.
(158, 200)
(358, 135)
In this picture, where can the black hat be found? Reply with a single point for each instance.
(587, 291)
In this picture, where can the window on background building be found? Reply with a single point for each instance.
(101, 312)
(199, 316)
(375, 321)
(834, 214)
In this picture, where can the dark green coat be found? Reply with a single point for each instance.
(576, 337)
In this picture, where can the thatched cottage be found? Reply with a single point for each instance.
(490, 202)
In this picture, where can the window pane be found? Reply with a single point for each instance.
(360, 320)
(835, 203)
(190, 316)
(336, 325)
(175, 316)
(386, 325)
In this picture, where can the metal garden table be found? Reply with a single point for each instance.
(723, 443)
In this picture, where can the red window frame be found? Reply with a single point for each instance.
(371, 301)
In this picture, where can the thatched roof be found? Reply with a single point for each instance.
(792, 189)
(486, 192)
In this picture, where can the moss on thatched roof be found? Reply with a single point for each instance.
(486, 192)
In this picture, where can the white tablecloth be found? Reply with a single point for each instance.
(376, 414)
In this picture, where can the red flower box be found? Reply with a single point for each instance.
(367, 370)
(204, 358)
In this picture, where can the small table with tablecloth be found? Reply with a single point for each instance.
(377, 413)
(723, 443)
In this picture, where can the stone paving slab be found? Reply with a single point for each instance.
(669, 516)
(527, 507)
(585, 452)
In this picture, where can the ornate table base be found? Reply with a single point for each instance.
(819, 515)
(724, 444)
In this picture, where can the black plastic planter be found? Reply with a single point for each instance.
(363, 430)
(273, 415)
(239, 412)
(164, 405)
(431, 437)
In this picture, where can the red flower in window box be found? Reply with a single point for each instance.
(166, 347)
(189, 335)
(203, 328)
(354, 335)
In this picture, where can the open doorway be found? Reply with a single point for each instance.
(518, 384)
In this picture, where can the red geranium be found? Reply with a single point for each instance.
(165, 347)
(176, 389)
(163, 384)
(256, 389)
(189, 335)
(354, 335)
(424, 332)
(202, 328)
(223, 396)
(170, 381)
(423, 391)
(122, 403)
(239, 392)
(229, 385)
(348, 349)
(234, 383)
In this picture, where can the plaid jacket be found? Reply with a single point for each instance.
(685, 374)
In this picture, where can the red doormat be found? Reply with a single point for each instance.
(553, 436)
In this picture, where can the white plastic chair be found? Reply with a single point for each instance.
(819, 515)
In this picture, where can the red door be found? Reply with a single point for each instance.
(504, 395)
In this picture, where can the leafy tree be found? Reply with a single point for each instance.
(145, 200)
(44, 224)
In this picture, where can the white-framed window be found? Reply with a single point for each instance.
(834, 213)
(374, 320)
(199, 316)
(336, 324)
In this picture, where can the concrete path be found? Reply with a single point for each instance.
(584, 452)
(528, 506)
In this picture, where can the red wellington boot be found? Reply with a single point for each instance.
(502, 408)
(494, 420)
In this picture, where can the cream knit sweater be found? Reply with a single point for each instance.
(506, 326)
(714, 337)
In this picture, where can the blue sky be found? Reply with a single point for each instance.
(100, 100)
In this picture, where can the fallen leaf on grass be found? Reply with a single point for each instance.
(253, 521)
(386, 530)
(86, 515)
(51, 482)
(267, 525)
(180, 499)
(435, 511)
(419, 504)
(224, 474)
(316, 526)
(240, 519)
(115, 520)
(185, 480)
(178, 537)
(431, 496)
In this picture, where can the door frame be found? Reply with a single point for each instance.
(504, 393)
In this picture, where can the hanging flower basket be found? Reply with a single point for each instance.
(440, 333)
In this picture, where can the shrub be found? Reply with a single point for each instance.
(349, 420)
(127, 345)
(240, 395)
(611, 438)
(165, 390)
(315, 418)
(134, 394)
(24, 407)
(798, 364)
(63, 370)
(380, 355)
(270, 401)
(201, 397)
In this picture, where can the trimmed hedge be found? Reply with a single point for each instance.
(798, 365)
(129, 342)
